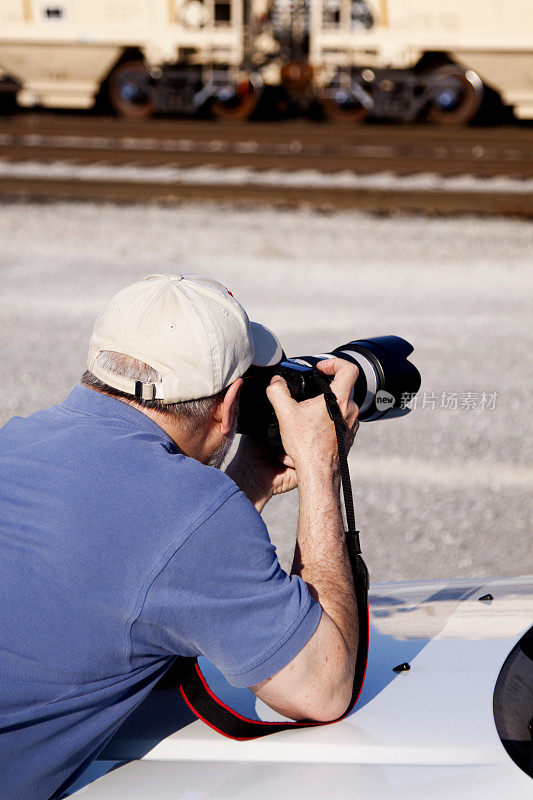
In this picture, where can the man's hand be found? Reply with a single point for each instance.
(307, 432)
(260, 472)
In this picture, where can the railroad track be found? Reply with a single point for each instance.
(372, 200)
(292, 148)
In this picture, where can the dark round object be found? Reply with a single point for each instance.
(297, 75)
(128, 90)
(238, 105)
(346, 110)
(457, 97)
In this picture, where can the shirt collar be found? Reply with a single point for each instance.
(83, 400)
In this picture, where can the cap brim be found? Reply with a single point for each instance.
(268, 349)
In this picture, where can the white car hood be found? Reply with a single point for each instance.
(423, 734)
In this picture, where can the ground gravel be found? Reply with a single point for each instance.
(441, 493)
(242, 176)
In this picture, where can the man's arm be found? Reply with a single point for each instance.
(317, 683)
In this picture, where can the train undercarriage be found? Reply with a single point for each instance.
(448, 94)
(138, 90)
(287, 48)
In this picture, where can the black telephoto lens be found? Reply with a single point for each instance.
(386, 381)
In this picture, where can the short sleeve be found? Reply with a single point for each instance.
(224, 595)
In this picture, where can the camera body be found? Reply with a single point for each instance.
(385, 378)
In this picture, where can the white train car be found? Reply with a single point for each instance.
(384, 58)
(151, 54)
(402, 58)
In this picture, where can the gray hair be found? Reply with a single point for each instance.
(193, 412)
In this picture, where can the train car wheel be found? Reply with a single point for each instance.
(457, 97)
(350, 112)
(240, 105)
(128, 91)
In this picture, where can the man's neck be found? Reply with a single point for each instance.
(192, 445)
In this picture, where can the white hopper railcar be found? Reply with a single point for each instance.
(403, 58)
(150, 55)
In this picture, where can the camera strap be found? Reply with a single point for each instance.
(193, 685)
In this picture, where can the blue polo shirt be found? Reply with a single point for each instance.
(118, 553)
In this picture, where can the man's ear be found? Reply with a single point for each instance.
(230, 407)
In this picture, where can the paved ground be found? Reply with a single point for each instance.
(441, 493)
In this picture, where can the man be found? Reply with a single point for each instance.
(122, 547)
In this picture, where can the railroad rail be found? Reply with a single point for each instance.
(290, 147)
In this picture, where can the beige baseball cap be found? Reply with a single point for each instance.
(187, 327)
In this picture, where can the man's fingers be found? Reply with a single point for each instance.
(286, 461)
(278, 393)
(345, 374)
(277, 383)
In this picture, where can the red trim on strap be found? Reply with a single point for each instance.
(236, 713)
(280, 724)
(367, 644)
(197, 714)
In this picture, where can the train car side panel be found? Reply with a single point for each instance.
(60, 52)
